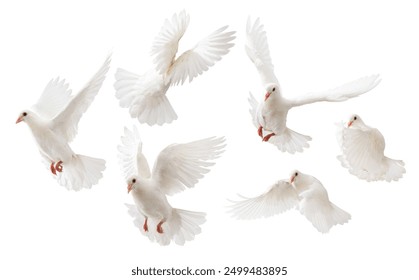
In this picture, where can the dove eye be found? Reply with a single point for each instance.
(273, 89)
(355, 118)
(296, 174)
(24, 114)
(133, 181)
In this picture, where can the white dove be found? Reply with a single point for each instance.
(145, 95)
(303, 192)
(177, 167)
(53, 121)
(363, 152)
(270, 116)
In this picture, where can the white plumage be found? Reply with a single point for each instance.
(145, 95)
(53, 121)
(302, 192)
(363, 152)
(178, 166)
(270, 115)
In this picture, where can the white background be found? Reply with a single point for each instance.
(48, 232)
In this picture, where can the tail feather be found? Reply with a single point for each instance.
(290, 141)
(395, 169)
(144, 97)
(180, 227)
(323, 221)
(81, 172)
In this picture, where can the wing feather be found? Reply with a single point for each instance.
(180, 166)
(131, 158)
(341, 93)
(66, 122)
(279, 198)
(54, 98)
(257, 50)
(204, 55)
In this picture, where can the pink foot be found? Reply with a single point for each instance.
(267, 137)
(59, 166)
(53, 168)
(260, 131)
(159, 228)
(145, 226)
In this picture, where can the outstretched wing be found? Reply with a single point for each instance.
(255, 112)
(279, 198)
(204, 55)
(53, 100)
(341, 93)
(66, 122)
(257, 50)
(180, 166)
(165, 45)
(131, 158)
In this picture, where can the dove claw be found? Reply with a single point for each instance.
(53, 170)
(260, 131)
(145, 226)
(267, 137)
(59, 166)
(159, 228)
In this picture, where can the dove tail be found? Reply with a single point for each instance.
(290, 141)
(81, 172)
(184, 225)
(395, 170)
(146, 104)
(323, 221)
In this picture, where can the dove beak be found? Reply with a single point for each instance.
(292, 179)
(267, 95)
(350, 123)
(129, 187)
(19, 119)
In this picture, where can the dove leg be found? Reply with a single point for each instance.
(59, 166)
(159, 228)
(145, 226)
(260, 131)
(267, 137)
(53, 168)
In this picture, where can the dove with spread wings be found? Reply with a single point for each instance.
(270, 115)
(302, 192)
(53, 121)
(177, 167)
(145, 95)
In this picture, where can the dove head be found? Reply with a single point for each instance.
(271, 90)
(298, 178)
(132, 183)
(23, 117)
(354, 121)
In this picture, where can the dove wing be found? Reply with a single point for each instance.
(180, 166)
(165, 45)
(131, 158)
(255, 111)
(53, 100)
(279, 198)
(257, 50)
(362, 148)
(205, 54)
(66, 122)
(340, 93)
